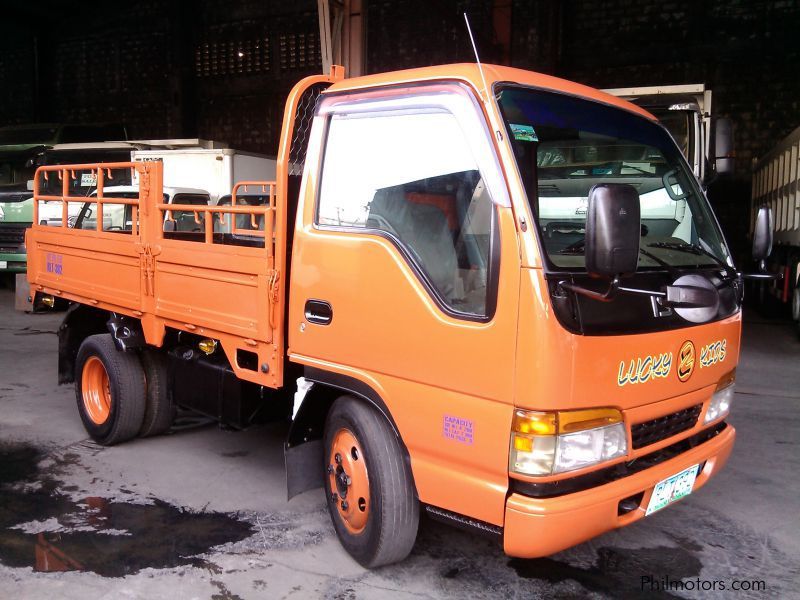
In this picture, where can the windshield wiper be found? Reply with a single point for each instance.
(695, 249)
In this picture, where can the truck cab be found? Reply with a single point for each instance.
(472, 206)
(119, 217)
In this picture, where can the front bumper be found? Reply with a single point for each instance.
(13, 262)
(537, 527)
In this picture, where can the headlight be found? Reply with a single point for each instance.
(543, 443)
(720, 404)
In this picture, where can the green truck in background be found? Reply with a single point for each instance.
(22, 150)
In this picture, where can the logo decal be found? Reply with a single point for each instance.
(644, 369)
(713, 353)
(686, 358)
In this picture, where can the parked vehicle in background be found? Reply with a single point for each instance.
(776, 183)
(491, 295)
(204, 164)
(22, 150)
(191, 164)
(685, 110)
(80, 182)
(119, 217)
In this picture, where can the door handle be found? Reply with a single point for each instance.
(318, 312)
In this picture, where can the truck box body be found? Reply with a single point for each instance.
(775, 184)
(418, 289)
(216, 170)
(685, 110)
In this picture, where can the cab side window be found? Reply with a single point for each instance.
(412, 177)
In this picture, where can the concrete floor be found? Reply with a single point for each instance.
(201, 512)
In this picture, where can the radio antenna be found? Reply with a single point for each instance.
(477, 58)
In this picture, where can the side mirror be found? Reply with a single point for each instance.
(29, 185)
(723, 147)
(762, 234)
(613, 230)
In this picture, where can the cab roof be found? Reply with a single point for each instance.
(470, 74)
(167, 189)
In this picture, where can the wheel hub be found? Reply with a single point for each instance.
(349, 481)
(96, 390)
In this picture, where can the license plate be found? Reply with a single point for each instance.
(672, 488)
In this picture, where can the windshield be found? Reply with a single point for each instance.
(565, 145)
(7, 173)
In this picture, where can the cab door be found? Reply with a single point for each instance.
(405, 281)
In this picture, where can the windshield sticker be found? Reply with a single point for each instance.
(714, 353)
(523, 133)
(644, 369)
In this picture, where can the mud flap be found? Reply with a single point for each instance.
(303, 467)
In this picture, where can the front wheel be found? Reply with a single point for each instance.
(371, 497)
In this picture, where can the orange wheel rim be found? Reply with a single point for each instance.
(348, 481)
(95, 390)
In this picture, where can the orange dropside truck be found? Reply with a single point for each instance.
(497, 297)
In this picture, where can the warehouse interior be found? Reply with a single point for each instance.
(221, 71)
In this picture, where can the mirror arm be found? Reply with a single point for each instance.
(672, 296)
(613, 288)
(762, 274)
(606, 296)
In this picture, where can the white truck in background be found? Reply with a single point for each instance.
(204, 164)
(188, 164)
(776, 183)
(685, 110)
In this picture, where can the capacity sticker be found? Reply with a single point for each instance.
(458, 429)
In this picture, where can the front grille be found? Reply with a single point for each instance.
(12, 236)
(15, 197)
(650, 432)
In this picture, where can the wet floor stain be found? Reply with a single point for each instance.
(618, 571)
(43, 528)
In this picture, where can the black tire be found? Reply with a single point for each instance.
(125, 387)
(393, 516)
(159, 411)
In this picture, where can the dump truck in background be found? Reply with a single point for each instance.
(22, 150)
(685, 110)
(491, 295)
(776, 183)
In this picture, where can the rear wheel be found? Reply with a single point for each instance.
(371, 496)
(159, 411)
(110, 390)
